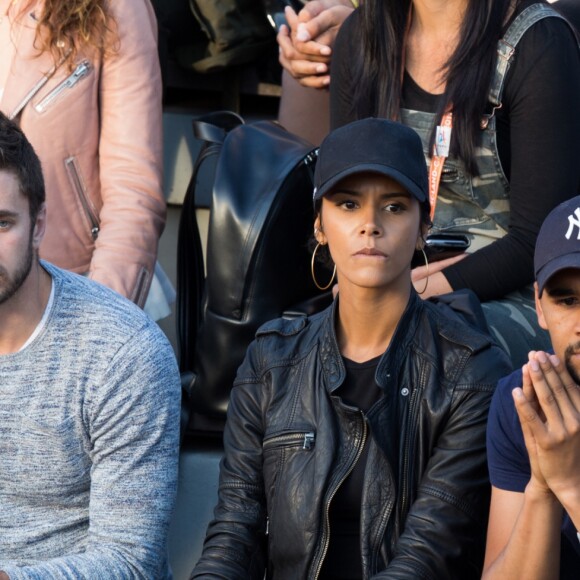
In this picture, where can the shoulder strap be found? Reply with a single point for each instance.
(507, 45)
(214, 127)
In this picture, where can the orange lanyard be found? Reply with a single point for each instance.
(440, 153)
(442, 136)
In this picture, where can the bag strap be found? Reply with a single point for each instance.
(507, 45)
(212, 130)
(214, 127)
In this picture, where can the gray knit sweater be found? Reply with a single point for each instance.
(89, 428)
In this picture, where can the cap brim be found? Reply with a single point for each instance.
(407, 183)
(554, 266)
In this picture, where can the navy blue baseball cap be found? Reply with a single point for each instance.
(558, 243)
(375, 145)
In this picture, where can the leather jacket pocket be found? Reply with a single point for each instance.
(280, 448)
(78, 186)
(296, 439)
(62, 89)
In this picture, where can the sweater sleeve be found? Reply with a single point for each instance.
(132, 416)
(541, 116)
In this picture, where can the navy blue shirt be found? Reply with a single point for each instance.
(509, 466)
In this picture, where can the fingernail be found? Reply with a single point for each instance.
(534, 365)
(554, 360)
(326, 81)
(518, 393)
(541, 357)
(325, 50)
(321, 68)
(302, 33)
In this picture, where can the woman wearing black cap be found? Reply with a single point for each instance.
(355, 439)
(503, 78)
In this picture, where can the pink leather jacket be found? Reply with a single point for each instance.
(97, 130)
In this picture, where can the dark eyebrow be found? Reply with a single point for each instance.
(4, 213)
(357, 193)
(560, 292)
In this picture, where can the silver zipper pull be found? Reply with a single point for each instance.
(81, 71)
(308, 440)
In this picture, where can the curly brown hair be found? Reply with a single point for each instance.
(67, 26)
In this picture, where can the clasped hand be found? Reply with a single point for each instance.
(306, 43)
(548, 407)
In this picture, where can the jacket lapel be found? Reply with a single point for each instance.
(30, 69)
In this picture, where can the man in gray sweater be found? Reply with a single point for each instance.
(89, 408)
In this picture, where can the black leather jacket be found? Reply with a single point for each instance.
(289, 443)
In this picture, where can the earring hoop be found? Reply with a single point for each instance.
(426, 264)
(314, 276)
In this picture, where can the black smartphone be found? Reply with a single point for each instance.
(442, 246)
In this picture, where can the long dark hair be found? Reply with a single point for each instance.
(468, 72)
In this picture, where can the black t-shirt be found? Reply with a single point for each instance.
(538, 133)
(343, 559)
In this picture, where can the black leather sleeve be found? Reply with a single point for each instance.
(235, 542)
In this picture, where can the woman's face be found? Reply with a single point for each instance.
(372, 227)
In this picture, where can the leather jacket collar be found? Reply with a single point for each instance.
(331, 357)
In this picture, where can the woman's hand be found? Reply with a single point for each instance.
(306, 43)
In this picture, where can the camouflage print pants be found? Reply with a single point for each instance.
(514, 325)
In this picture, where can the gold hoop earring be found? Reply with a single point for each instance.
(427, 281)
(313, 275)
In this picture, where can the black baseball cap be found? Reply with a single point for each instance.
(375, 145)
(558, 243)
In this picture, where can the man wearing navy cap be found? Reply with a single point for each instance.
(533, 433)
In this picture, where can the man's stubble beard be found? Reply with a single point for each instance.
(10, 285)
(571, 350)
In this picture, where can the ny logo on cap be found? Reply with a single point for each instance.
(573, 221)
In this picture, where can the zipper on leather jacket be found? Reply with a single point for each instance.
(71, 167)
(81, 71)
(404, 488)
(407, 443)
(139, 295)
(306, 440)
(326, 527)
(309, 163)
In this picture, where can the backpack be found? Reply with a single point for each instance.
(257, 181)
